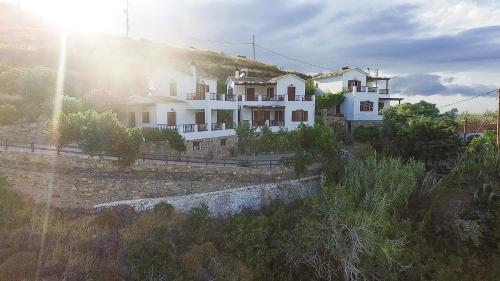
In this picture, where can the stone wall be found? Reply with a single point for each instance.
(83, 182)
(231, 201)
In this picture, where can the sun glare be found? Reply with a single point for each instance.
(79, 15)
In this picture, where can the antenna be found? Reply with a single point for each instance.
(253, 45)
(126, 11)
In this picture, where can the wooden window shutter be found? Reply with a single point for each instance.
(305, 118)
(294, 116)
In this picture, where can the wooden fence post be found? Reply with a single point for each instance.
(187, 160)
(58, 150)
(270, 163)
(32, 147)
(6, 144)
(224, 162)
(143, 158)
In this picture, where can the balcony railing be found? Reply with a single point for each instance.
(216, 126)
(202, 127)
(230, 125)
(383, 91)
(230, 98)
(167, 127)
(195, 96)
(366, 89)
(188, 128)
(276, 123)
(215, 96)
(300, 98)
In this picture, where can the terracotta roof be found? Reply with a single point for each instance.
(337, 73)
(476, 127)
(260, 80)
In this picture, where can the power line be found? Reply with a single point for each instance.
(222, 42)
(292, 58)
(468, 99)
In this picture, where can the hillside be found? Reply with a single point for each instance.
(103, 61)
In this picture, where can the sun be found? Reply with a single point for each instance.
(79, 15)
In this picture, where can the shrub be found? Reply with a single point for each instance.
(164, 209)
(198, 223)
(8, 114)
(247, 138)
(328, 99)
(152, 260)
(367, 134)
(175, 140)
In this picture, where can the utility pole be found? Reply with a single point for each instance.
(126, 11)
(253, 45)
(465, 131)
(498, 120)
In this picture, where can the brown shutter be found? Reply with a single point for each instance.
(171, 118)
(305, 116)
(294, 116)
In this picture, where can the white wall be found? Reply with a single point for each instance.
(160, 80)
(330, 84)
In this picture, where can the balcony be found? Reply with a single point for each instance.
(367, 89)
(195, 96)
(276, 123)
(275, 98)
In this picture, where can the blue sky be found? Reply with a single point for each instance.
(438, 50)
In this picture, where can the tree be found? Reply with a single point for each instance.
(97, 133)
(247, 137)
(328, 99)
(419, 131)
(310, 87)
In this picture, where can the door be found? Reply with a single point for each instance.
(278, 116)
(199, 118)
(251, 94)
(291, 93)
(171, 118)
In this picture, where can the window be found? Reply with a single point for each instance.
(223, 142)
(380, 106)
(366, 106)
(299, 116)
(173, 89)
(145, 117)
(196, 145)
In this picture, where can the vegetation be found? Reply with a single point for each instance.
(175, 140)
(310, 87)
(327, 100)
(487, 117)
(97, 133)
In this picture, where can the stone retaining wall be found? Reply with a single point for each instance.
(82, 182)
(232, 201)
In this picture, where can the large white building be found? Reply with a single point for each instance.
(187, 100)
(367, 95)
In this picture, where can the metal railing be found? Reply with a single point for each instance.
(195, 96)
(276, 123)
(383, 91)
(215, 96)
(300, 98)
(216, 126)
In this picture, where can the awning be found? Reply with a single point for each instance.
(398, 99)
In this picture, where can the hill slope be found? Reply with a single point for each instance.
(103, 61)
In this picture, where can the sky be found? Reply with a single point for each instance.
(440, 51)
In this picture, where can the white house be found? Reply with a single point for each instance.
(279, 102)
(187, 100)
(367, 95)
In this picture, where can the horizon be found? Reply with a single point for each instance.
(439, 51)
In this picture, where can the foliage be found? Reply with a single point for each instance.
(487, 117)
(327, 100)
(247, 137)
(175, 140)
(152, 260)
(97, 133)
(419, 131)
(73, 105)
(488, 139)
(310, 87)
(369, 135)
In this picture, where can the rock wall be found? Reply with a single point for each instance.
(232, 201)
(82, 182)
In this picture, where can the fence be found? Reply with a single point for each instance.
(155, 158)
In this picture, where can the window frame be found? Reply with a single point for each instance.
(148, 117)
(366, 106)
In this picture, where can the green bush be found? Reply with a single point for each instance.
(97, 133)
(328, 99)
(175, 140)
(152, 260)
(11, 205)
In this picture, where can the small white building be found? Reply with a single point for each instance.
(366, 95)
(187, 100)
(279, 102)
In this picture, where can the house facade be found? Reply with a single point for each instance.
(186, 100)
(366, 95)
(279, 102)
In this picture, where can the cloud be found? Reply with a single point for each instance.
(425, 84)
